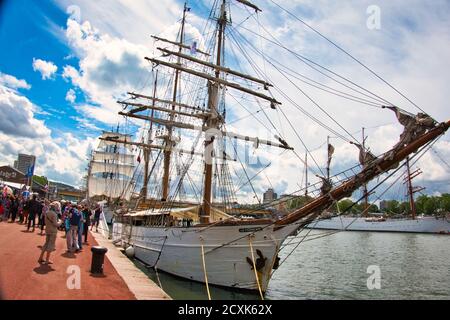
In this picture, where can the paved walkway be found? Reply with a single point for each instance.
(23, 278)
(138, 282)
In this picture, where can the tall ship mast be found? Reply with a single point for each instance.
(411, 190)
(186, 221)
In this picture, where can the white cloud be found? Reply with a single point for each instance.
(112, 55)
(46, 68)
(116, 17)
(70, 73)
(84, 123)
(18, 116)
(108, 68)
(71, 96)
(62, 158)
(12, 82)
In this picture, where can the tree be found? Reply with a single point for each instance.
(420, 204)
(344, 206)
(444, 202)
(393, 206)
(298, 202)
(404, 207)
(431, 205)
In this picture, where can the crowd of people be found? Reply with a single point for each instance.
(73, 219)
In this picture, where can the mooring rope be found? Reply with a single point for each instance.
(204, 271)
(254, 268)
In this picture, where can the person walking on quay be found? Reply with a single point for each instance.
(87, 222)
(20, 208)
(2, 209)
(80, 228)
(51, 231)
(75, 217)
(6, 208)
(97, 213)
(14, 208)
(33, 209)
(45, 208)
(25, 210)
(65, 217)
(39, 213)
(65, 225)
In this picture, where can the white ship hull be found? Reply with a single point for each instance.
(178, 251)
(420, 225)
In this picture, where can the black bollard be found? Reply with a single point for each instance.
(98, 258)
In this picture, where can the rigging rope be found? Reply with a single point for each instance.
(300, 89)
(348, 54)
(310, 62)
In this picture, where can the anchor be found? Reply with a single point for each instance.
(260, 262)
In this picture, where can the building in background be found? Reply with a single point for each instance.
(12, 177)
(269, 196)
(24, 162)
(61, 191)
(383, 205)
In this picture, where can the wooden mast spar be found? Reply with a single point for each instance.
(169, 141)
(411, 189)
(213, 121)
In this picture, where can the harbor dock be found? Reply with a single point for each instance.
(23, 278)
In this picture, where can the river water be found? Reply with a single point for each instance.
(411, 266)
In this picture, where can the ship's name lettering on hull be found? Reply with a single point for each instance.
(250, 229)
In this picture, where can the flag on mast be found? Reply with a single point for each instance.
(330, 153)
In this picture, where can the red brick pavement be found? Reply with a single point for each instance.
(23, 278)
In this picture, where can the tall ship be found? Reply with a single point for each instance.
(111, 170)
(184, 216)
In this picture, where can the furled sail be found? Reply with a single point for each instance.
(115, 136)
(121, 169)
(106, 143)
(110, 156)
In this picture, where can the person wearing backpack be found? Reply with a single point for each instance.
(75, 220)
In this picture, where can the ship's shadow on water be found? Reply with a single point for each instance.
(181, 289)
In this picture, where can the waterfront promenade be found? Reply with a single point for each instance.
(23, 278)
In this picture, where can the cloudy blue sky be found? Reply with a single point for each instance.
(64, 63)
